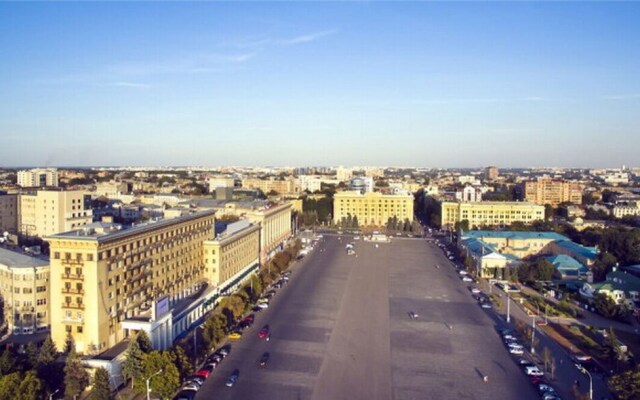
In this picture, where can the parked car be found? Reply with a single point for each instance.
(532, 370)
(185, 394)
(235, 335)
(516, 351)
(485, 305)
(467, 279)
(263, 305)
(475, 290)
(264, 332)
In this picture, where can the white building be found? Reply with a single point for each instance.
(469, 194)
(38, 177)
(621, 211)
(344, 174)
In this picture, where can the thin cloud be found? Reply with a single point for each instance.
(201, 63)
(310, 37)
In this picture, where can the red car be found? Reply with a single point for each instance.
(204, 372)
(264, 332)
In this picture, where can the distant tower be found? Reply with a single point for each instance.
(491, 173)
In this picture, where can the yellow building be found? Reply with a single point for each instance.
(489, 213)
(232, 255)
(24, 289)
(104, 275)
(46, 212)
(8, 213)
(552, 192)
(268, 185)
(372, 208)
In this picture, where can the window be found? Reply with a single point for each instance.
(79, 329)
(68, 328)
(89, 257)
(56, 255)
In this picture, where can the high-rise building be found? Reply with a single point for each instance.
(489, 213)
(8, 213)
(46, 212)
(343, 174)
(24, 289)
(491, 173)
(372, 209)
(107, 281)
(552, 191)
(38, 177)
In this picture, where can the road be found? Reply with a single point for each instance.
(340, 330)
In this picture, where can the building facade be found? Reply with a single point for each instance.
(489, 213)
(112, 189)
(372, 209)
(269, 185)
(47, 212)
(491, 173)
(8, 213)
(622, 211)
(469, 194)
(232, 255)
(275, 223)
(552, 191)
(103, 276)
(24, 288)
(38, 177)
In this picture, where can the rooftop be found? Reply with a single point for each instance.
(15, 259)
(578, 249)
(102, 231)
(515, 235)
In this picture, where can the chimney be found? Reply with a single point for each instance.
(108, 219)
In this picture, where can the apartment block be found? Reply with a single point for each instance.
(38, 177)
(552, 191)
(622, 211)
(233, 255)
(491, 173)
(111, 189)
(8, 213)
(24, 289)
(372, 209)
(489, 213)
(108, 280)
(46, 212)
(269, 185)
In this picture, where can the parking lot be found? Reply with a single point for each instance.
(341, 330)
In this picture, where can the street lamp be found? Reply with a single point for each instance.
(51, 395)
(533, 332)
(508, 308)
(585, 372)
(148, 379)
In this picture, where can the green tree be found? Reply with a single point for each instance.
(544, 270)
(132, 365)
(626, 385)
(182, 362)
(144, 342)
(165, 383)
(215, 328)
(10, 386)
(76, 378)
(48, 352)
(31, 387)
(610, 345)
(69, 344)
(101, 388)
(7, 362)
(354, 222)
(608, 308)
(31, 352)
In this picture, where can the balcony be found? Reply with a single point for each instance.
(73, 277)
(72, 291)
(75, 306)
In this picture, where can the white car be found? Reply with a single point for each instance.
(485, 305)
(532, 370)
(462, 272)
(263, 305)
(518, 352)
(515, 345)
(467, 279)
(475, 290)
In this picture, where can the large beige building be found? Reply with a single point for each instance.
(268, 185)
(105, 277)
(552, 191)
(24, 288)
(373, 208)
(8, 213)
(489, 213)
(111, 189)
(38, 177)
(232, 255)
(46, 212)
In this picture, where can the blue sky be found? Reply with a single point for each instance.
(359, 83)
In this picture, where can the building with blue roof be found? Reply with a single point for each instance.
(492, 252)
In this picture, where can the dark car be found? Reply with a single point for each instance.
(264, 332)
(185, 395)
(256, 309)
(264, 359)
(233, 378)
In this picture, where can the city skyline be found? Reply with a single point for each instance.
(410, 84)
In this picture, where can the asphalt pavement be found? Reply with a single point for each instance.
(341, 330)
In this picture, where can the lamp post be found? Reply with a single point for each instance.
(585, 372)
(148, 379)
(533, 332)
(508, 308)
(51, 395)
